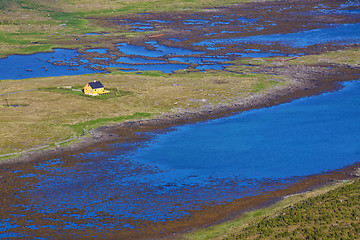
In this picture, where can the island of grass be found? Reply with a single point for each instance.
(79, 91)
(55, 105)
(52, 112)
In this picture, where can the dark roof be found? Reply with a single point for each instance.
(95, 84)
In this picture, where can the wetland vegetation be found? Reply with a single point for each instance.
(329, 213)
(333, 215)
(51, 112)
(164, 58)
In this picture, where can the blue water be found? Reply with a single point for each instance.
(139, 50)
(164, 58)
(166, 67)
(40, 65)
(160, 50)
(159, 21)
(101, 58)
(255, 54)
(199, 60)
(341, 34)
(141, 28)
(137, 60)
(305, 137)
(98, 50)
(171, 174)
(212, 67)
(172, 50)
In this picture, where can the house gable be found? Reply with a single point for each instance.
(94, 88)
(96, 84)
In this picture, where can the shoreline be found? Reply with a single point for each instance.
(313, 80)
(302, 81)
(229, 228)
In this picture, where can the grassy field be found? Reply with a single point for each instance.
(330, 212)
(38, 112)
(334, 215)
(47, 114)
(349, 57)
(29, 26)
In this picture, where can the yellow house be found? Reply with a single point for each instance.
(94, 88)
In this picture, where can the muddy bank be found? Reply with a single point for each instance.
(304, 81)
(312, 80)
(223, 33)
(213, 38)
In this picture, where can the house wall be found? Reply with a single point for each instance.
(89, 90)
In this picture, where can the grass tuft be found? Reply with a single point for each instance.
(83, 127)
(76, 91)
(332, 215)
(325, 213)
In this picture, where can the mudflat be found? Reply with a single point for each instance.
(269, 81)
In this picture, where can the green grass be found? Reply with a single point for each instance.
(263, 85)
(114, 93)
(348, 56)
(9, 157)
(13, 38)
(170, 6)
(83, 127)
(67, 143)
(154, 74)
(39, 48)
(56, 25)
(311, 210)
(220, 230)
(138, 93)
(4, 4)
(332, 215)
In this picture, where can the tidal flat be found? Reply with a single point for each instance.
(125, 175)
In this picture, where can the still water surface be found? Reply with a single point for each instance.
(170, 59)
(307, 136)
(171, 174)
